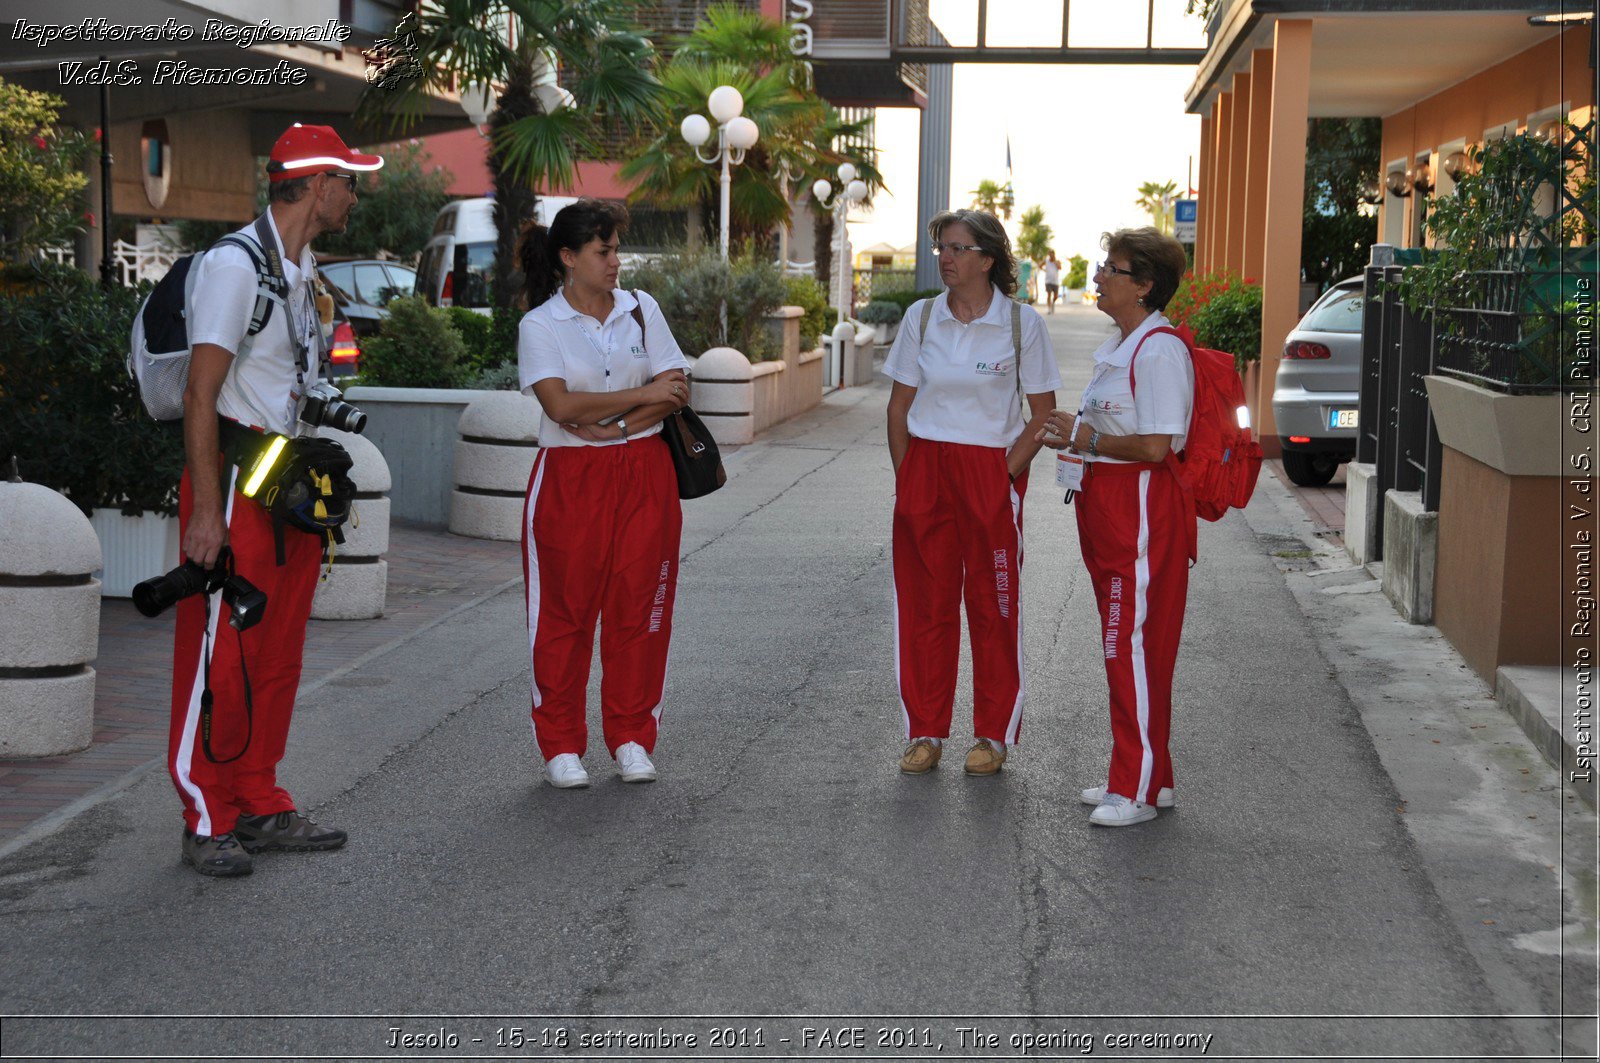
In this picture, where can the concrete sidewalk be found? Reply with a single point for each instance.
(1368, 858)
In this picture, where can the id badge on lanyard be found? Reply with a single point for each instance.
(1070, 468)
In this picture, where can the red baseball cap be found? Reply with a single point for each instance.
(308, 149)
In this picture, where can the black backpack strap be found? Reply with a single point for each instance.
(280, 284)
(264, 282)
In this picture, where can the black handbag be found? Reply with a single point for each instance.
(695, 457)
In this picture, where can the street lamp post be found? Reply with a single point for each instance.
(736, 134)
(852, 190)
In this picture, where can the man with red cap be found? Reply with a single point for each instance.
(233, 695)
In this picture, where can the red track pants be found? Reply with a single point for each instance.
(215, 795)
(1133, 525)
(958, 530)
(600, 538)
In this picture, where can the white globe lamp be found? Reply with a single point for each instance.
(695, 129)
(847, 173)
(743, 133)
(725, 104)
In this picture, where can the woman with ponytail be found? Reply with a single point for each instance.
(601, 527)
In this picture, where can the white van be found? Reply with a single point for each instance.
(457, 266)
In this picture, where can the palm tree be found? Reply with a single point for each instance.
(1033, 238)
(513, 45)
(994, 197)
(733, 46)
(1157, 199)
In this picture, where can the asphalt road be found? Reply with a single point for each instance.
(782, 870)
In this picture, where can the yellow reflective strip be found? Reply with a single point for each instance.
(264, 465)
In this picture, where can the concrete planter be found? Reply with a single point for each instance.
(49, 623)
(358, 580)
(415, 430)
(493, 460)
(1519, 435)
(134, 548)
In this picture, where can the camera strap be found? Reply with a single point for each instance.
(280, 281)
(207, 700)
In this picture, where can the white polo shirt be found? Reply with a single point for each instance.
(1165, 396)
(556, 341)
(966, 375)
(260, 388)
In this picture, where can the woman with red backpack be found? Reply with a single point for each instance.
(1136, 519)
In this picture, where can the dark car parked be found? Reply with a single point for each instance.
(362, 287)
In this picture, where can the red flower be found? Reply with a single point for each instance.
(88, 216)
(39, 142)
(97, 132)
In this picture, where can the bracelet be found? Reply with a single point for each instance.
(1094, 442)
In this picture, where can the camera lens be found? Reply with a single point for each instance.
(156, 595)
(344, 417)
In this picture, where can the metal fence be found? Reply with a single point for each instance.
(871, 283)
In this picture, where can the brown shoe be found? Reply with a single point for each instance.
(291, 832)
(221, 856)
(921, 757)
(984, 758)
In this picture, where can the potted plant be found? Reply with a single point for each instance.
(1077, 279)
(884, 317)
(72, 416)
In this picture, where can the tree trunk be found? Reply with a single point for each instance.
(514, 198)
(822, 234)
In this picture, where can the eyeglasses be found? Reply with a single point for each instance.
(954, 249)
(1106, 267)
(350, 177)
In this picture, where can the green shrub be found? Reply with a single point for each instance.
(417, 346)
(811, 297)
(830, 318)
(503, 377)
(1223, 311)
(692, 287)
(68, 409)
(904, 299)
(1077, 272)
(882, 312)
(477, 340)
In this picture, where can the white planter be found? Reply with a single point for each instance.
(134, 549)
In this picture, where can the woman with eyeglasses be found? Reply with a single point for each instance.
(974, 379)
(1134, 524)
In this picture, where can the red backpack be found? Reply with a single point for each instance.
(1220, 459)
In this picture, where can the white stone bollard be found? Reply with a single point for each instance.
(724, 394)
(49, 622)
(858, 357)
(357, 582)
(494, 458)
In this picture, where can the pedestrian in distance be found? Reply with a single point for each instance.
(1052, 281)
(1134, 521)
(602, 523)
(974, 379)
(245, 388)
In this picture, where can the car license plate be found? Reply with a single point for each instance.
(1342, 418)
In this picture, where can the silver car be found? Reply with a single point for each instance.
(1318, 388)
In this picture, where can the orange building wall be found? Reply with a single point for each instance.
(1541, 77)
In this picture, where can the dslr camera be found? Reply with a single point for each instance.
(247, 602)
(325, 408)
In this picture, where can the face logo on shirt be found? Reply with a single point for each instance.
(638, 352)
(992, 368)
(1105, 406)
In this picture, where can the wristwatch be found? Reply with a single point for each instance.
(623, 426)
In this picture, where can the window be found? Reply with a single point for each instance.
(373, 286)
(1339, 311)
(474, 270)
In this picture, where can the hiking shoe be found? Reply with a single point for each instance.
(565, 771)
(984, 758)
(289, 832)
(635, 763)
(221, 855)
(1119, 811)
(1165, 798)
(921, 757)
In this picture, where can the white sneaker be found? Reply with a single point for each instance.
(635, 763)
(1165, 798)
(565, 771)
(1119, 811)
